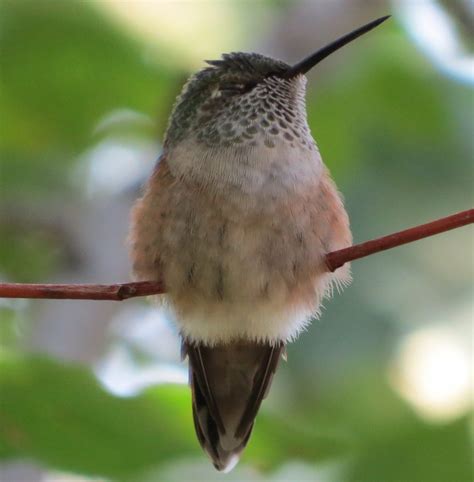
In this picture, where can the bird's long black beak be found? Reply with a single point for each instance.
(309, 62)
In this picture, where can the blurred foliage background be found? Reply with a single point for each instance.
(380, 388)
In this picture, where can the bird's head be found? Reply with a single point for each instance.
(247, 98)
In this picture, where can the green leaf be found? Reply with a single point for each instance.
(389, 442)
(59, 415)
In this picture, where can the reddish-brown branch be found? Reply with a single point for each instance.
(115, 292)
(337, 258)
(334, 260)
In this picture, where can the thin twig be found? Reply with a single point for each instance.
(115, 292)
(337, 258)
(334, 260)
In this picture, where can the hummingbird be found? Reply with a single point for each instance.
(235, 221)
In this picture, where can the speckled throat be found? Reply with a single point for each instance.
(221, 115)
(275, 108)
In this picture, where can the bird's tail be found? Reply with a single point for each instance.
(228, 383)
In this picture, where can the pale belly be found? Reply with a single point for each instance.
(241, 267)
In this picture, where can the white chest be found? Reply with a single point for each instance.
(249, 174)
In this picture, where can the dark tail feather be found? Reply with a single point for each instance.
(228, 383)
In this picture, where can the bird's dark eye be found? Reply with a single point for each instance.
(233, 88)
